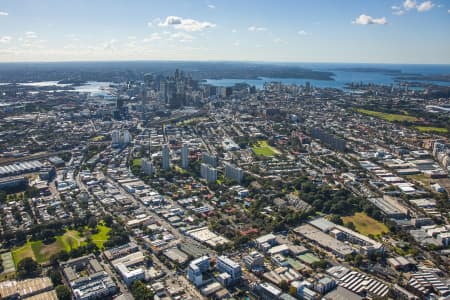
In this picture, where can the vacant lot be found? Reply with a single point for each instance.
(262, 148)
(431, 129)
(366, 225)
(420, 178)
(387, 116)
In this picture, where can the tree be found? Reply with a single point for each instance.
(28, 268)
(108, 219)
(140, 291)
(92, 222)
(322, 264)
(336, 219)
(55, 276)
(284, 285)
(63, 292)
(350, 225)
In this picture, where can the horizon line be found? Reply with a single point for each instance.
(215, 61)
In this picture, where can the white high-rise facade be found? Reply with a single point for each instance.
(165, 157)
(185, 156)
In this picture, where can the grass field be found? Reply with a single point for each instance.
(365, 224)
(98, 138)
(137, 162)
(22, 252)
(431, 129)
(263, 149)
(41, 252)
(386, 116)
(102, 236)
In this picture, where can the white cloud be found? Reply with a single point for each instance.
(303, 32)
(110, 45)
(412, 4)
(186, 24)
(5, 39)
(425, 6)
(409, 4)
(233, 30)
(31, 35)
(255, 28)
(279, 41)
(153, 37)
(211, 6)
(237, 43)
(448, 11)
(181, 37)
(3, 13)
(397, 10)
(368, 20)
(153, 22)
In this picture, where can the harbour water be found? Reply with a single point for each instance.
(348, 73)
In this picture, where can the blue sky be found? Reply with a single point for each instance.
(368, 31)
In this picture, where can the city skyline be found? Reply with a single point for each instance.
(385, 31)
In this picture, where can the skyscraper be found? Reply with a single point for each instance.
(165, 157)
(185, 156)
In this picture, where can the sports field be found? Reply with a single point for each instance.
(262, 148)
(365, 224)
(387, 116)
(431, 129)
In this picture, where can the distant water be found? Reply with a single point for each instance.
(93, 88)
(343, 77)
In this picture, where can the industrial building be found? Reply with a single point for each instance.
(20, 168)
(324, 240)
(27, 289)
(358, 283)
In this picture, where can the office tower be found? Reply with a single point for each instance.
(185, 156)
(232, 268)
(208, 173)
(234, 172)
(165, 157)
(196, 269)
(163, 90)
(149, 79)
